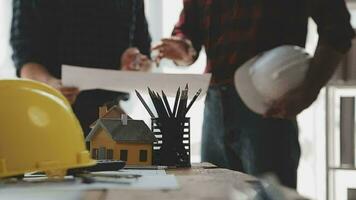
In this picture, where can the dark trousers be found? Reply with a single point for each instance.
(236, 138)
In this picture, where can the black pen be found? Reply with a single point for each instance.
(144, 104)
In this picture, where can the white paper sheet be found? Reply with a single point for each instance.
(128, 81)
(149, 180)
(142, 172)
(43, 195)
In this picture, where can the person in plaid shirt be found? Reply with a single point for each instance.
(233, 31)
(90, 33)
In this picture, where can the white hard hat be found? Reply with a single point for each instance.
(269, 75)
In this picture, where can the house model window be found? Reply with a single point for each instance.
(100, 156)
(143, 155)
(110, 154)
(102, 153)
(123, 155)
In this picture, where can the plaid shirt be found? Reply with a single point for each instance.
(233, 31)
(87, 33)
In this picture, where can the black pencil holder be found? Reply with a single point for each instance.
(172, 147)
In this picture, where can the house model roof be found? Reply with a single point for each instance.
(114, 112)
(136, 131)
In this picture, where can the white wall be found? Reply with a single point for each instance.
(6, 65)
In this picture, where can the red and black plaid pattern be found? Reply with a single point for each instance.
(233, 31)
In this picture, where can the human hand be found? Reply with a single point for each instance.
(292, 103)
(70, 93)
(179, 50)
(133, 60)
(38, 72)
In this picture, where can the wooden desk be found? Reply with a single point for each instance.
(202, 181)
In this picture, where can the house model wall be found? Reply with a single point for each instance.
(103, 147)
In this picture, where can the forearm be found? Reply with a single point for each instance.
(36, 72)
(335, 35)
(323, 65)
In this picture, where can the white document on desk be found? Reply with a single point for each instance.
(128, 81)
(148, 180)
(167, 182)
(143, 172)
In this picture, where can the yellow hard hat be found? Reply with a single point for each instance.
(38, 131)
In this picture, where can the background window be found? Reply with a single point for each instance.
(143, 155)
(123, 155)
(110, 154)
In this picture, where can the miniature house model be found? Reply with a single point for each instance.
(121, 139)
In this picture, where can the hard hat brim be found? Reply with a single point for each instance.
(247, 90)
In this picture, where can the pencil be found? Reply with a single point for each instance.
(160, 102)
(167, 104)
(193, 100)
(176, 102)
(144, 104)
(185, 99)
(182, 102)
(153, 98)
